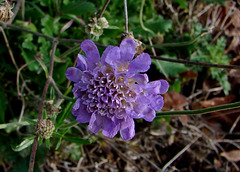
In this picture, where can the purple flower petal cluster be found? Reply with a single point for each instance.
(111, 91)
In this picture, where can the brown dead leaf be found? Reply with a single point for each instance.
(233, 155)
(227, 18)
(217, 163)
(235, 74)
(217, 101)
(235, 61)
(189, 74)
(175, 100)
(236, 17)
(234, 46)
(209, 83)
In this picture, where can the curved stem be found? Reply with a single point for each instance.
(200, 111)
(141, 20)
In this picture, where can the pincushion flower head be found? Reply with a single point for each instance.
(111, 91)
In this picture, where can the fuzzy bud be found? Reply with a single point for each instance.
(45, 128)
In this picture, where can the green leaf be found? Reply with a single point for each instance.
(157, 24)
(182, 3)
(59, 72)
(212, 53)
(64, 115)
(78, 8)
(28, 42)
(40, 140)
(58, 143)
(14, 124)
(29, 56)
(25, 143)
(176, 86)
(76, 140)
(44, 3)
(171, 69)
(44, 49)
(3, 106)
(220, 2)
(65, 126)
(50, 25)
(26, 25)
(47, 142)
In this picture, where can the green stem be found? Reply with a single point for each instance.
(141, 20)
(178, 44)
(200, 111)
(69, 51)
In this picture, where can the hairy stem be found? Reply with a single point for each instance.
(103, 9)
(34, 148)
(126, 16)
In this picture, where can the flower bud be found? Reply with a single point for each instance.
(45, 128)
(95, 27)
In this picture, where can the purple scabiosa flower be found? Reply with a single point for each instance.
(111, 91)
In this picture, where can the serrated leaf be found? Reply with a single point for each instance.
(170, 69)
(157, 24)
(25, 143)
(78, 8)
(50, 25)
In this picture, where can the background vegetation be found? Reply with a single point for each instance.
(197, 43)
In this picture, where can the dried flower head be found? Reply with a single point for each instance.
(52, 109)
(96, 26)
(45, 128)
(111, 92)
(140, 47)
(5, 12)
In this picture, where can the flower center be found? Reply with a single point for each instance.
(108, 94)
